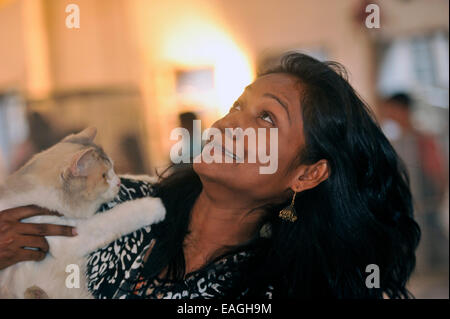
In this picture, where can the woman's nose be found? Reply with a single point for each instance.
(230, 121)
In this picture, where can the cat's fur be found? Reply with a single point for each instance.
(74, 177)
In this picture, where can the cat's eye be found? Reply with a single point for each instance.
(104, 175)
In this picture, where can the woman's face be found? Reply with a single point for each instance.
(272, 101)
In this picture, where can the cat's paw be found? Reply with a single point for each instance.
(34, 292)
(154, 210)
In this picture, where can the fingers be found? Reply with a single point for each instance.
(15, 235)
(28, 254)
(21, 254)
(23, 212)
(45, 230)
(34, 242)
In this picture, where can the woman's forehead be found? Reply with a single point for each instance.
(281, 81)
(282, 84)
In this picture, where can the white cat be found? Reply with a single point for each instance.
(73, 177)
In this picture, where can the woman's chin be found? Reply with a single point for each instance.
(202, 168)
(215, 171)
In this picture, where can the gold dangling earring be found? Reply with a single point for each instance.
(289, 213)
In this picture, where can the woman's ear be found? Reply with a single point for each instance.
(309, 176)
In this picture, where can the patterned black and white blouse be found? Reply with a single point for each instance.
(112, 272)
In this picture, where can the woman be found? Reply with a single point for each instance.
(342, 192)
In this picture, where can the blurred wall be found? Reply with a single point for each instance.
(75, 77)
(135, 45)
(12, 45)
(276, 26)
(100, 53)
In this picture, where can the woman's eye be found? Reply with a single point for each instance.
(236, 107)
(266, 117)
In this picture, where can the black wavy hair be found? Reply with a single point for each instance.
(361, 215)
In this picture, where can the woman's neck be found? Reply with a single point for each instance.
(216, 224)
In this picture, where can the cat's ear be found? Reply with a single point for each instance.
(81, 162)
(88, 133)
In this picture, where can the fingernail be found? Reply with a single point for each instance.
(74, 232)
(55, 213)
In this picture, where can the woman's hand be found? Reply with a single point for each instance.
(15, 235)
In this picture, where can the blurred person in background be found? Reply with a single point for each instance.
(41, 136)
(425, 162)
(3, 172)
(133, 160)
(186, 121)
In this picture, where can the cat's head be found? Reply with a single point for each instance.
(81, 170)
(89, 169)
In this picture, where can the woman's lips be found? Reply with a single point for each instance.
(224, 150)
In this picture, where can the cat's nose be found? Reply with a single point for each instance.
(118, 183)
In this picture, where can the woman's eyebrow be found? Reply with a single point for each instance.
(283, 104)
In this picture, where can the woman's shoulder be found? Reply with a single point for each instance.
(151, 179)
(132, 187)
(107, 266)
